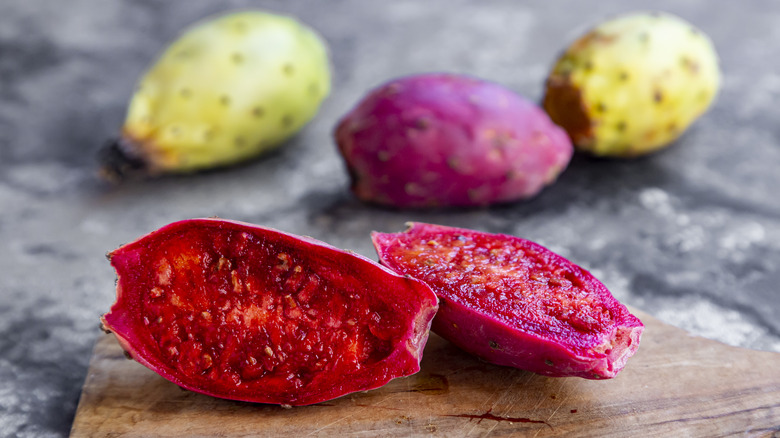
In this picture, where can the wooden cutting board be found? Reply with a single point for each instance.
(676, 385)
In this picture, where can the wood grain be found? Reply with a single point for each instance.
(676, 385)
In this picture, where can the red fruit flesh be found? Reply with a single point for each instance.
(247, 313)
(513, 302)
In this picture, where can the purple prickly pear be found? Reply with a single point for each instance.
(449, 140)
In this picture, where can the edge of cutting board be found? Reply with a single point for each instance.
(676, 382)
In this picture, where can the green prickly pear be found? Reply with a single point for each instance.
(632, 85)
(228, 89)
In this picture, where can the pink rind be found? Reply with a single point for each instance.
(503, 345)
(123, 320)
(478, 332)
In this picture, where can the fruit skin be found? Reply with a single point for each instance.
(235, 299)
(515, 303)
(633, 84)
(228, 89)
(449, 140)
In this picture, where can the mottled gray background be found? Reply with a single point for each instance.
(691, 234)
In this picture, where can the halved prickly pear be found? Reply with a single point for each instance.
(449, 140)
(513, 302)
(242, 312)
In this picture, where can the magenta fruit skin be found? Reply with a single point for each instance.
(449, 140)
(479, 330)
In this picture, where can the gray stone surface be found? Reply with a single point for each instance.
(691, 234)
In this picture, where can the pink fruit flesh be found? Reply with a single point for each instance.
(449, 140)
(513, 302)
(242, 312)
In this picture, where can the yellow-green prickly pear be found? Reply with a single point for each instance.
(228, 89)
(633, 84)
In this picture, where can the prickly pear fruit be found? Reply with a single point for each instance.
(228, 89)
(513, 302)
(241, 312)
(633, 84)
(449, 140)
